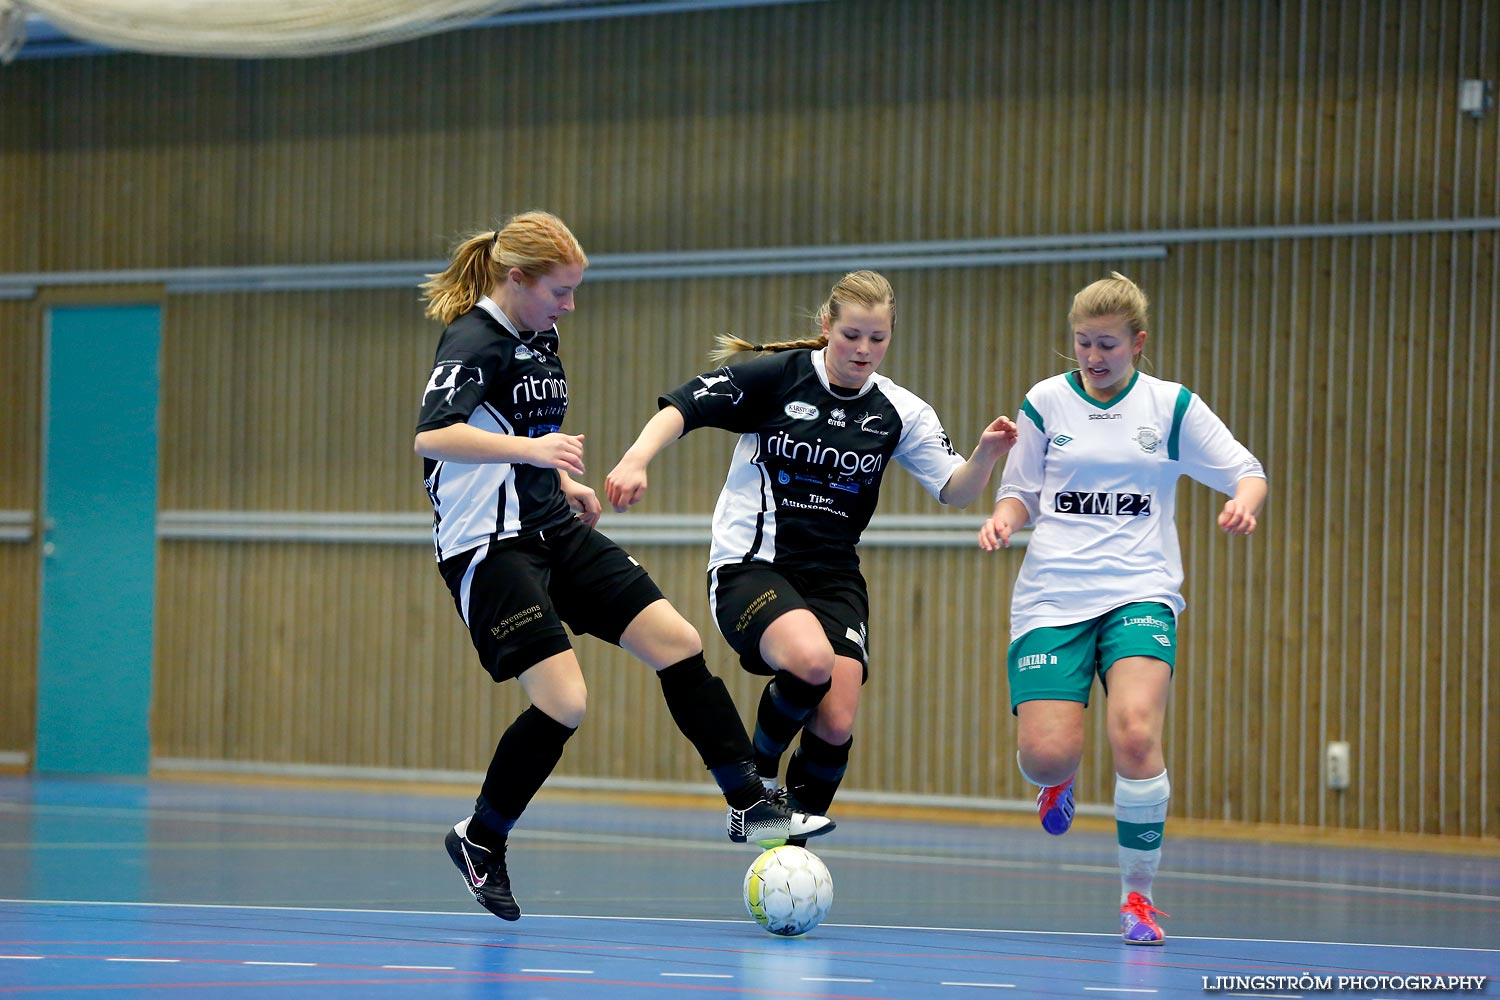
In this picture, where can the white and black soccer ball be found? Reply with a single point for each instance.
(788, 890)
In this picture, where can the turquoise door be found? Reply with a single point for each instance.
(99, 539)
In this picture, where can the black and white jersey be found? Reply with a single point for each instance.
(491, 376)
(806, 472)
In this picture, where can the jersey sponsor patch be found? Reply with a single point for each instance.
(1088, 502)
(815, 453)
(1036, 661)
(798, 410)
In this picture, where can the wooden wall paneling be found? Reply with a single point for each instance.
(1321, 627)
(18, 691)
(23, 162)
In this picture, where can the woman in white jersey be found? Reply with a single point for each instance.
(1095, 472)
(818, 427)
(517, 547)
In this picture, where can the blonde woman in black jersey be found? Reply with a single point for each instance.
(517, 548)
(818, 427)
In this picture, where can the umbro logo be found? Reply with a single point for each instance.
(1061, 440)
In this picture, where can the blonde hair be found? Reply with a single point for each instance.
(535, 242)
(1116, 295)
(860, 288)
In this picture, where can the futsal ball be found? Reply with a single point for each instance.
(788, 890)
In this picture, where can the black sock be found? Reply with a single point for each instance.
(488, 828)
(739, 783)
(701, 707)
(785, 704)
(815, 772)
(524, 757)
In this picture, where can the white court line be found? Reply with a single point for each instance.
(487, 920)
(422, 968)
(699, 975)
(993, 986)
(20, 958)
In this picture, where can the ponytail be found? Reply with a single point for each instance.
(730, 346)
(469, 275)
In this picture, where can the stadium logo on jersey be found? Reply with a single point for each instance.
(865, 420)
(836, 417)
(1061, 440)
(452, 376)
(1106, 416)
(721, 383)
(1085, 502)
(1148, 439)
(800, 411)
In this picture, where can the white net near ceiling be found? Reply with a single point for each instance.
(246, 28)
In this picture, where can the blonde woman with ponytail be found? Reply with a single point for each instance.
(517, 546)
(1095, 472)
(818, 427)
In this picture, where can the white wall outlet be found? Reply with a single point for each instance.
(1475, 97)
(1336, 766)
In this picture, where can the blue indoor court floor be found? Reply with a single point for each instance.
(235, 889)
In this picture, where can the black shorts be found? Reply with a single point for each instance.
(747, 597)
(516, 594)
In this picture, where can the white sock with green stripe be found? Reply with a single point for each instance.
(1140, 814)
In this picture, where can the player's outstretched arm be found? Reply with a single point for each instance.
(970, 479)
(1239, 514)
(626, 483)
(1009, 517)
(583, 499)
(472, 445)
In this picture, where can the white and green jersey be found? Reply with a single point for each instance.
(1100, 483)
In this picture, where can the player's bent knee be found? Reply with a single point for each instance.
(680, 641)
(569, 712)
(1050, 762)
(661, 637)
(810, 663)
(1136, 746)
